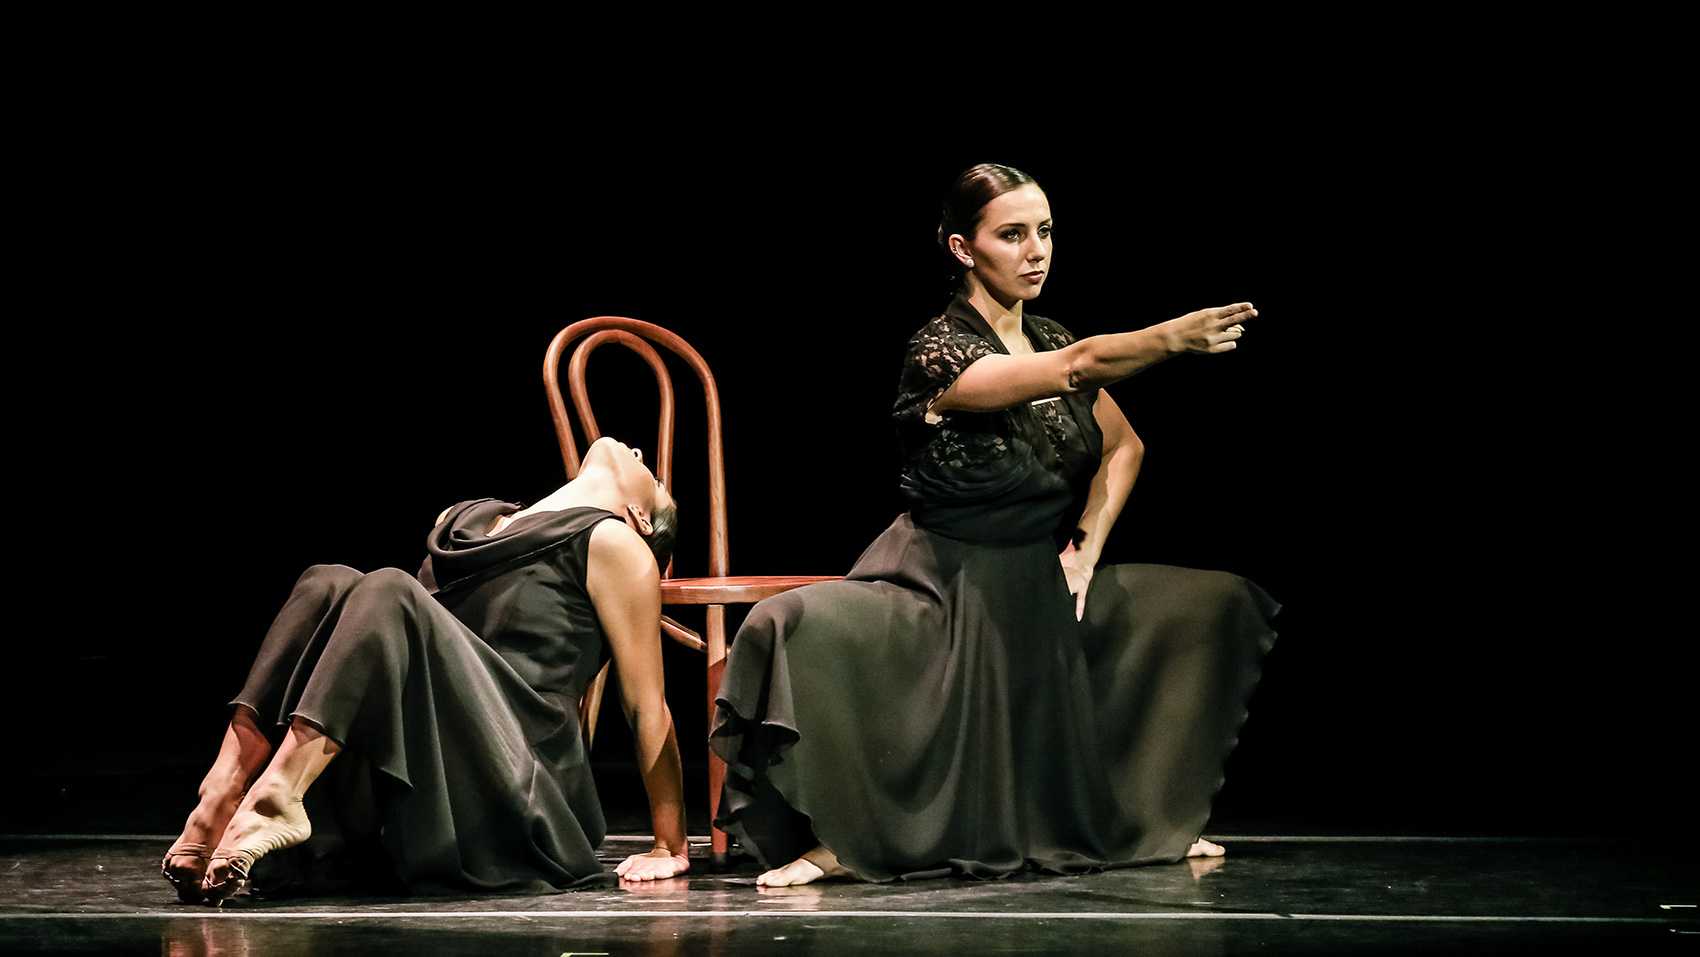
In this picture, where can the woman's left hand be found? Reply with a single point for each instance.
(656, 865)
(1078, 572)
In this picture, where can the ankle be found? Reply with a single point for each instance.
(271, 798)
(206, 822)
(221, 790)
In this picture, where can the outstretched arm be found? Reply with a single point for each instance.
(1111, 485)
(1000, 381)
(625, 587)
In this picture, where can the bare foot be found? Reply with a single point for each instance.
(240, 756)
(811, 867)
(268, 820)
(185, 864)
(1203, 848)
(656, 865)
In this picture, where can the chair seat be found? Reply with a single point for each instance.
(733, 590)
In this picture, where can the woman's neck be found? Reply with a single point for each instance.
(579, 493)
(1005, 320)
(584, 491)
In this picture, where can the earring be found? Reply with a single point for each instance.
(969, 264)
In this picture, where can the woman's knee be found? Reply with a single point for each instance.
(1178, 606)
(846, 610)
(391, 602)
(326, 580)
(387, 587)
(380, 615)
(1223, 590)
(316, 594)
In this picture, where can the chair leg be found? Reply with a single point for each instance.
(590, 706)
(716, 631)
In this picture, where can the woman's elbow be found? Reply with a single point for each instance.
(1134, 445)
(1086, 368)
(642, 712)
(1123, 448)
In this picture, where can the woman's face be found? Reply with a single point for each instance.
(1011, 248)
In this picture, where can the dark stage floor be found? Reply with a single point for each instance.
(1272, 895)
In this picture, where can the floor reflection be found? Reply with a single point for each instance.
(1272, 898)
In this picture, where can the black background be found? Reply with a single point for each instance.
(276, 327)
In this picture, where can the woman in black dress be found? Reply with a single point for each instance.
(449, 703)
(977, 697)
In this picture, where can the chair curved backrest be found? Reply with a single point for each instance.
(637, 336)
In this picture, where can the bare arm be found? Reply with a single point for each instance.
(1123, 454)
(625, 588)
(1000, 381)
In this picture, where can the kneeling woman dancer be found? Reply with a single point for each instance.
(439, 714)
(965, 702)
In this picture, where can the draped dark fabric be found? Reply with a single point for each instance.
(455, 697)
(941, 710)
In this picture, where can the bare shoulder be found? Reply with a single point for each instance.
(616, 548)
(623, 582)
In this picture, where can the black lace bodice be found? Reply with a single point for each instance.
(1013, 475)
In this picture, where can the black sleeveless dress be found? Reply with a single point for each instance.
(455, 697)
(941, 710)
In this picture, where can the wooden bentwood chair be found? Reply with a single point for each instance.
(717, 589)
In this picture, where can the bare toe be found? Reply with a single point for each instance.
(796, 873)
(185, 865)
(1203, 848)
(811, 867)
(260, 827)
(227, 874)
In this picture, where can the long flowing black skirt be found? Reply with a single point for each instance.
(942, 711)
(455, 777)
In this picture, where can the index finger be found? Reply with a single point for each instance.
(1238, 312)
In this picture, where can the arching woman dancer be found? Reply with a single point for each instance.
(429, 726)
